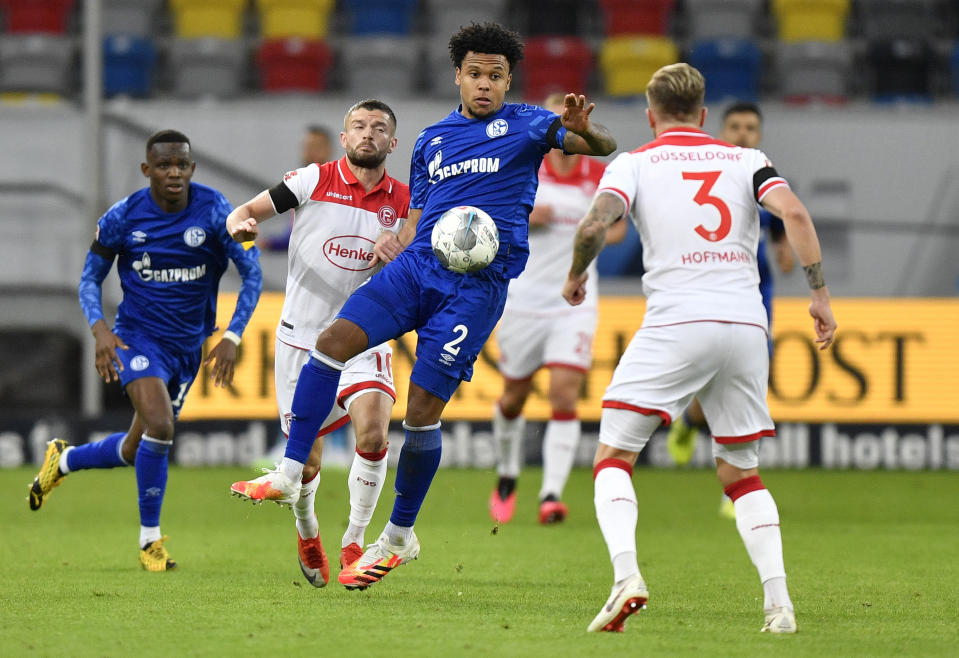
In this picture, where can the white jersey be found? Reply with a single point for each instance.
(693, 200)
(335, 224)
(538, 290)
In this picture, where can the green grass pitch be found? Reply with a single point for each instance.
(872, 558)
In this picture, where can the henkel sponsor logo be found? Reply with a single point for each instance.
(349, 252)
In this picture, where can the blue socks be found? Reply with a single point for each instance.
(419, 459)
(101, 454)
(312, 401)
(151, 468)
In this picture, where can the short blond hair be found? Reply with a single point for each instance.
(677, 90)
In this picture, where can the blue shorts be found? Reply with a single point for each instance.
(146, 358)
(453, 315)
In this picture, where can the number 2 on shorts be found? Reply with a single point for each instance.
(451, 346)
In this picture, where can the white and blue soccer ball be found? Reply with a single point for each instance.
(465, 239)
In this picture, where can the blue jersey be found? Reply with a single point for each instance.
(170, 266)
(490, 163)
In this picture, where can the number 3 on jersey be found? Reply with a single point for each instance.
(703, 198)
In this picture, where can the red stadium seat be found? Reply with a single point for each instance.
(294, 65)
(553, 64)
(49, 16)
(637, 16)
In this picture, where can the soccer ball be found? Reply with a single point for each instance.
(465, 239)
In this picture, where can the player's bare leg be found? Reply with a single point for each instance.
(509, 429)
(560, 441)
(757, 520)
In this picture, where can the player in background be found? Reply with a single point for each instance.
(171, 247)
(316, 147)
(485, 153)
(339, 209)
(539, 329)
(693, 199)
(741, 126)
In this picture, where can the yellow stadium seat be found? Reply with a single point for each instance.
(628, 62)
(222, 19)
(811, 20)
(308, 19)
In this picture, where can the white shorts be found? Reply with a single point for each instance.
(528, 343)
(367, 372)
(724, 365)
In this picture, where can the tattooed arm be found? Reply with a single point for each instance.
(801, 234)
(590, 238)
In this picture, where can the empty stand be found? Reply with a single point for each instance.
(901, 70)
(36, 16)
(381, 65)
(637, 17)
(811, 20)
(132, 17)
(309, 19)
(893, 19)
(207, 67)
(715, 19)
(221, 19)
(447, 16)
(627, 63)
(294, 65)
(547, 17)
(40, 63)
(732, 68)
(814, 71)
(552, 64)
(381, 16)
(128, 65)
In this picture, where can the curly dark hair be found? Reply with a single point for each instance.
(487, 38)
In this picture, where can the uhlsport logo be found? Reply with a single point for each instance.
(194, 236)
(496, 128)
(139, 362)
(349, 252)
(387, 216)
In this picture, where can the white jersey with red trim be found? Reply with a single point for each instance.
(538, 290)
(331, 244)
(693, 199)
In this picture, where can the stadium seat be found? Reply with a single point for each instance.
(901, 70)
(814, 71)
(381, 65)
(547, 17)
(132, 17)
(811, 20)
(954, 69)
(308, 19)
(381, 16)
(553, 64)
(447, 16)
(732, 68)
(39, 63)
(899, 19)
(36, 16)
(220, 19)
(207, 67)
(294, 65)
(636, 17)
(128, 64)
(627, 63)
(723, 19)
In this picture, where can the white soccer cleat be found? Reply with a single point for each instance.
(378, 560)
(779, 620)
(272, 485)
(627, 598)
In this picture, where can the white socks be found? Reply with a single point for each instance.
(365, 484)
(149, 534)
(291, 469)
(757, 520)
(617, 512)
(304, 511)
(398, 535)
(508, 442)
(559, 451)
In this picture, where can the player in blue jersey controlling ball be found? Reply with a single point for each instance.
(171, 247)
(485, 154)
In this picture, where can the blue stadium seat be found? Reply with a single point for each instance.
(128, 64)
(731, 66)
(381, 16)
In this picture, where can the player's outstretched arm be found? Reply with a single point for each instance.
(801, 234)
(590, 238)
(241, 224)
(583, 135)
(389, 244)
